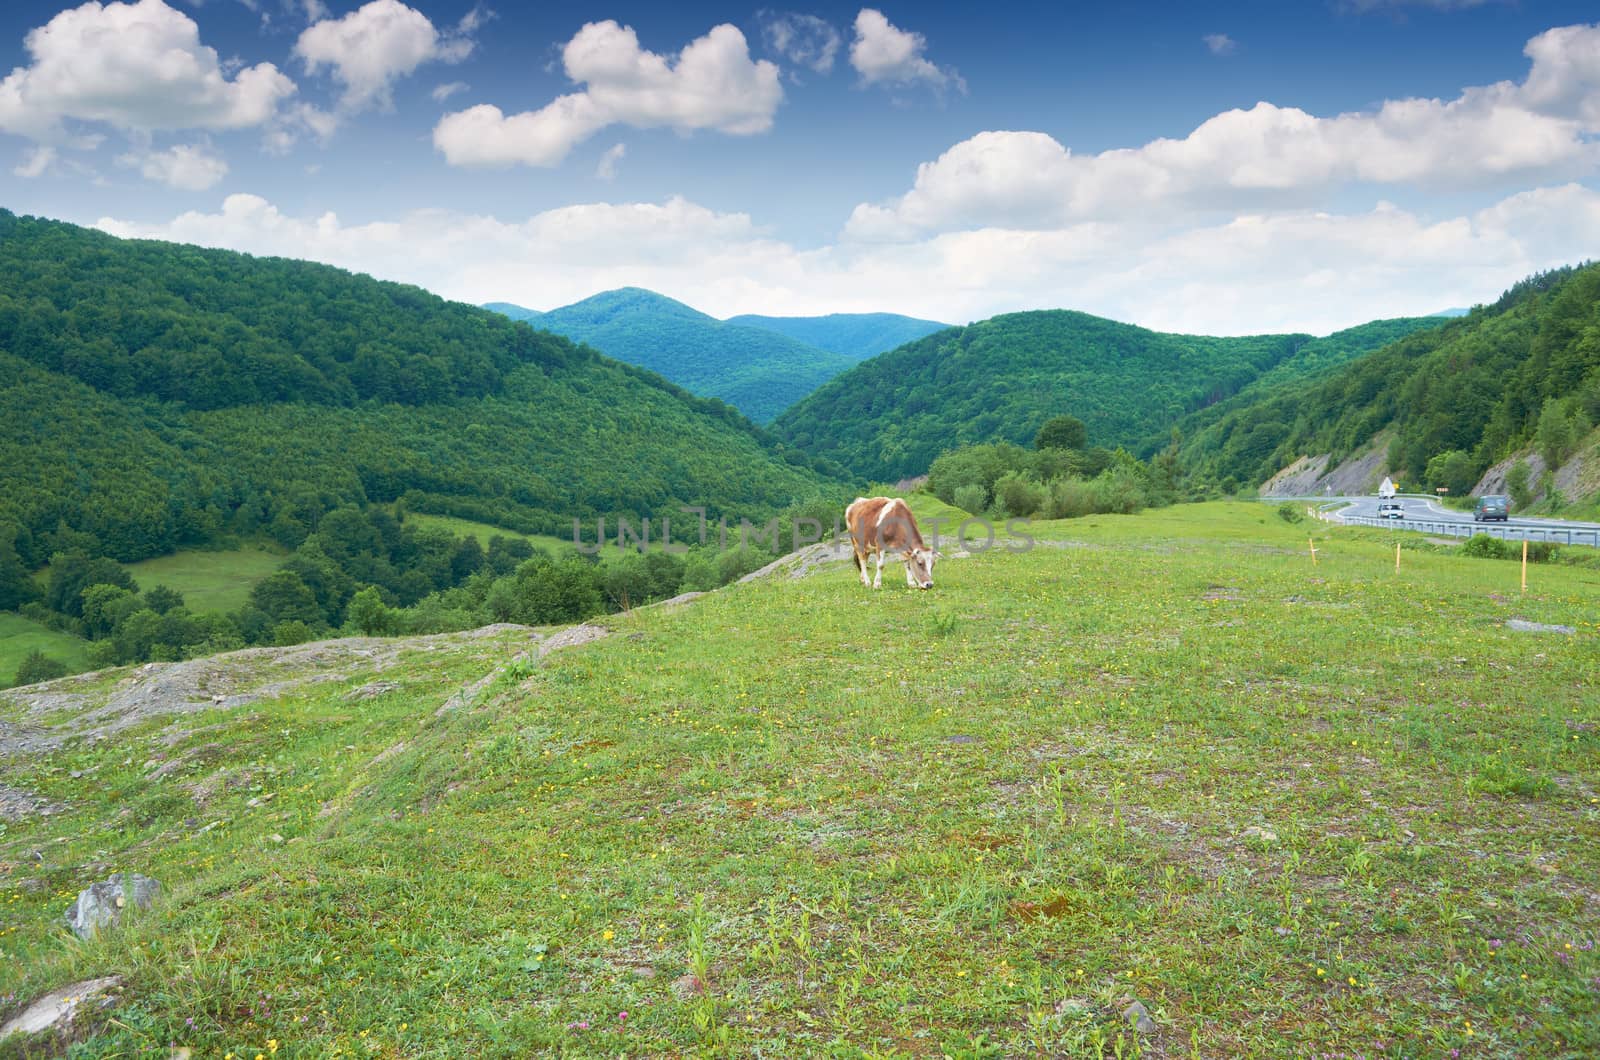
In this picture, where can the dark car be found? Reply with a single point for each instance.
(1491, 506)
(1391, 510)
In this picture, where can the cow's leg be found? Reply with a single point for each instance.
(877, 576)
(861, 564)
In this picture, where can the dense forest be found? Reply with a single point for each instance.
(1000, 379)
(759, 372)
(157, 395)
(1458, 397)
(855, 336)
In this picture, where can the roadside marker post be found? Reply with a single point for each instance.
(1397, 556)
(1524, 564)
(1312, 545)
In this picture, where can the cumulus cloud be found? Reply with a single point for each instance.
(607, 169)
(36, 161)
(884, 53)
(377, 44)
(187, 167)
(137, 66)
(1220, 43)
(804, 40)
(713, 84)
(443, 92)
(1303, 270)
(1269, 156)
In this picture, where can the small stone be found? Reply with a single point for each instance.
(1522, 625)
(958, 738)
(1139, 1016)
(100, 904)
(1266, 835)
(275, 837)
(688, 985)
(1073, 1008)
(1282, 932)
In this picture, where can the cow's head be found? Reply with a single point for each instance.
(919, 567)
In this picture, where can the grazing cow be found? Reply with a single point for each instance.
(881, 525)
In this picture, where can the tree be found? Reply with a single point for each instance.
(285, 598)
(73, 572)
(37, 666)
(16, 585)
(1062, 432)
(367, 613)
(1517, 485)
(161, 599)
(1454, 471)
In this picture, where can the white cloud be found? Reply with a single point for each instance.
(1294, 271)
(135, 66)
(804, 40)
(36, 162)
(443, 92)
(883, 53)
(712, 85)
(607, 169)
(1542, 129)
(188, 167)
(1220, 43)
(374, 46)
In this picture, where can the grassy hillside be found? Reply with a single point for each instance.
(856, 336)
(19, 637)
(757, 371)
(1290, 809)
(210, 581)
(1001, 379)
(156, 396)
(1523, 370)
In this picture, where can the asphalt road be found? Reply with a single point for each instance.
(1428, 515)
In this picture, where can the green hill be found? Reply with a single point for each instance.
(853, 335)
(1000, 379)
(1466, 393)
(155, 396)
(757, 371)
(515, 312)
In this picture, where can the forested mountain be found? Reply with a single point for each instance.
(759, 372)
(1458, 397)
(853, 335)
(155, 395)
(515, 312)
(1000, 379)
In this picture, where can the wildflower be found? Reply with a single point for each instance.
(272, 1045)
(607, 935)
(402, 1026)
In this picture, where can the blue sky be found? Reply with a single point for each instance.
(1213, 168)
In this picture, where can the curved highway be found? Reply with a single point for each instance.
(1428, 515)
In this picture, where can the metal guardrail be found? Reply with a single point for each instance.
(1560, 535)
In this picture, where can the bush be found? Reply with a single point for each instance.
(1069, 498)
(1484, 547)
(972, 499)
(1017, 496)
(1290, 512)
(38, 666)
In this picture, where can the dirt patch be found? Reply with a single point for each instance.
(19, 805)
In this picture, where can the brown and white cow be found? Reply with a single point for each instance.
(881, 525)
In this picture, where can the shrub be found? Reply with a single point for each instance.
(1017, 496)
(1290, 512)
(1484, 547)
(972, 499)
(1069, 498)
(38, 666)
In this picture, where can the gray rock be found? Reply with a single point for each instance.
(1522, 625)
(55, 1010)
(960, 738)
(1139, 1016)
(101, 904)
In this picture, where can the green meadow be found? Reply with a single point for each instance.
(1292, 807)
(20, 636)
(210, 581)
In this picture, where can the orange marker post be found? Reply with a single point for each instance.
(1312, 545)
(1524, 564)
(1397, 555)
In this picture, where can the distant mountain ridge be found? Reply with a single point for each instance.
(853, 335)
(756, 370)
(515, 312)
